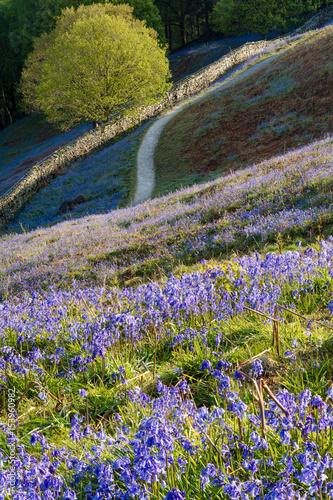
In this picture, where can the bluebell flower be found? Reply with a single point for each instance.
(183, 386)
(330, 307)
(69, 494)
(223, 365)
(206, 365)
(257, 368)
(122, 371)
(289, 354)
(42, 396)
(317, 401)
(285, 436)
(175, 494)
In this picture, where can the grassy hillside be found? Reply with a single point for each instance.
(173, 389)
(181, 349)
(264, 207)
(25, 143)
(283, 106)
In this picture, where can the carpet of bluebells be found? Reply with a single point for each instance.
(150, 391)
(286, 198)
(170, 448)
(103, 178)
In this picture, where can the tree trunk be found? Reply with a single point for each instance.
(170, 36)
(5, 108)
(182, 31)
(192, 25)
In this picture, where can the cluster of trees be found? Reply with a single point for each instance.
(99, 62)
(233, 17)
(34, 32)
(185, 20)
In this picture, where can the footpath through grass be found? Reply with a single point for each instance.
(283, 106)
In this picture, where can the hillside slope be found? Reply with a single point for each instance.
(286, 105)
(177, 350)
(268, 206)
(105, 178)
(27, 142)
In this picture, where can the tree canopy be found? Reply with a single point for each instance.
(32, 72)
(99, 62)
(233, 17)
(21, 21)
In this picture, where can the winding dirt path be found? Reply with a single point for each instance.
(145, 157)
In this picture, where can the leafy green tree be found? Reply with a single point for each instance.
(146, 10)
(225, 17)
(21, 21)
(291, 11)
(32, 72)
(100, 67)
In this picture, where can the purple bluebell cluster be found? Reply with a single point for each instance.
(169, 453)
(104, 318)
(180, 452)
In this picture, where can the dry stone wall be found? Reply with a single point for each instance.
(39, 174)
(322, 17)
